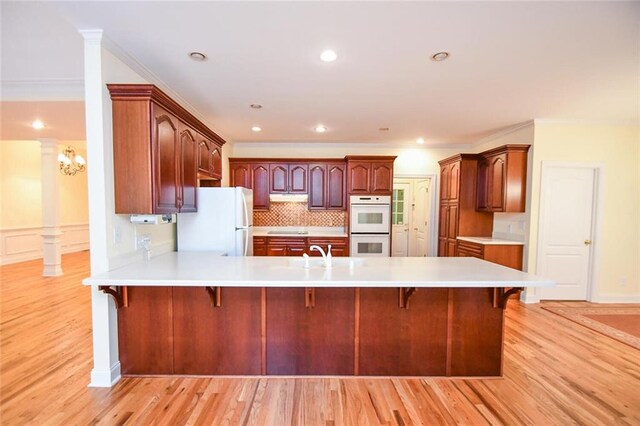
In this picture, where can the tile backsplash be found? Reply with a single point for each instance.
(297, 214)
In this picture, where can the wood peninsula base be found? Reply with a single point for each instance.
(312, 331)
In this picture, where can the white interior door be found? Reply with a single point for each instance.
(419, 237)
(567, 196)
(400, 217)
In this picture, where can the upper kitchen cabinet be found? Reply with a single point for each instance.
(254, 176)
(209, 159)
(327, 186)
(369, 174)
(288, 178)
(502, 177)
(156, 151)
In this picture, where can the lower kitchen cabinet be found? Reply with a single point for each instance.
(339, 246)
(310, 333)
(296, 246)
(259, 246)
(219, 340)
(283, 246)
(503, 254)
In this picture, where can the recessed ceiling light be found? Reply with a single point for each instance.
(37, 124)
(320, 128)
(420, 141)
(384, 129)
(328, 56)
(256, 128)
(255, 106)
(197, 56)
(440, 56)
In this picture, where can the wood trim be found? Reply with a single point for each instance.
(503, 149)
(449, 331)
(151, 93)
(263, 331)
(356, 334)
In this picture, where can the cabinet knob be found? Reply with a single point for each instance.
(587, 242)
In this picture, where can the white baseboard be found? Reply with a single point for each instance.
(616, 299)
(105, 378)
(527, 296)
(23, 244)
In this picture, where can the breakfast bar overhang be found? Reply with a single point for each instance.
(196, 313)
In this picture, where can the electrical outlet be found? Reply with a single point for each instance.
(117, 235)
(143, 242)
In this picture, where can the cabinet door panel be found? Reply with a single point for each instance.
(359, 177)
(296, 250)
(298, 178)
(482, 202)
(454, 182)
(317, 186)
(188, 170)
(145, 331)
(445, 174)
(217, 340)
(240, 175)
(336, 188)
(452, 219)
(165, 127)
(216, 162)
(273, 250)
(204, 156)
(310, 340)
(444, 220)
(381, 178)
(279, 178)
(260, 181)
(497, 169)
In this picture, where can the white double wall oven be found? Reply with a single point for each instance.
(370, 225)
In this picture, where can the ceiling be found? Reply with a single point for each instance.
(510, 62)
(64, 120)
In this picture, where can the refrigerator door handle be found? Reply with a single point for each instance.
(246, 210)
(246, 242)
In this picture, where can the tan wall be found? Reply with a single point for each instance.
(616, 149)
(20, 174)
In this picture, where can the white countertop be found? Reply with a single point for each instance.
(299, 231)
(207, 269)
(491, 241)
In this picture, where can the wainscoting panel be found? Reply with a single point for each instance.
(22, 244)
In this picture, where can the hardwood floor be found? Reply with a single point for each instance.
(555, 372)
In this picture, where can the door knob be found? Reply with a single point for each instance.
(587, 242)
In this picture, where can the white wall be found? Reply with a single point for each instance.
(615, 148)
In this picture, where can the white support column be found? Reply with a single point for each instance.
(51, 233)
(106, 365)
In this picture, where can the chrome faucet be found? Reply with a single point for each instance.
(325, 256)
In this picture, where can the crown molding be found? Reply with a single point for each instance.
(42, 90)
(350, 144)
(503, 132)
(153, 78)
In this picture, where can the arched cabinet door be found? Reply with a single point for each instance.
(381, 178)
(317, 186)
(188, 169)
(204, 156)
(216, 162)
(240, 175)
(167, 152)
(359, 177)
(336, 186)
(260, 180)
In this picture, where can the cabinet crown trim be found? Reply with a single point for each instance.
(505, 148)
(150, 92)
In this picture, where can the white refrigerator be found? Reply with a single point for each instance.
(224, 222)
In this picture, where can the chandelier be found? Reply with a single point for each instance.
(70, 163)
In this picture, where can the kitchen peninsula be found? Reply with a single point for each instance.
(188, 313)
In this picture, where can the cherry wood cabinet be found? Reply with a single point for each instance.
(307, 333)
(156, 150)
(509, 255)
(288, 178)
(458, 215)
(327, 183)
(216, 161)
(323, 179)
(286, 246)
(254, 176)
(502, 177)
(369, 174)
(209, 159)
(259, 246)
